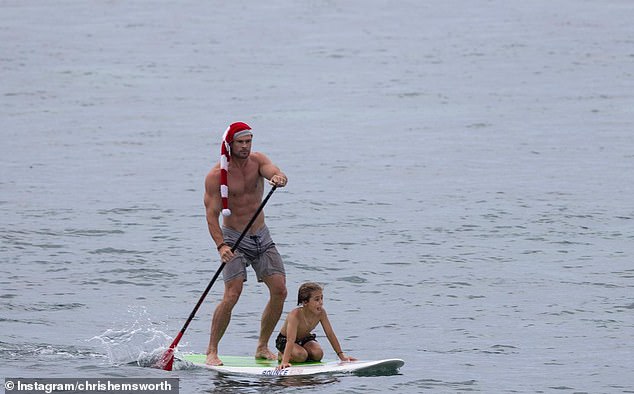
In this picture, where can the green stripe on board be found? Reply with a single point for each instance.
(241, 361)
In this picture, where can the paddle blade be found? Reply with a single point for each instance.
(166, 361)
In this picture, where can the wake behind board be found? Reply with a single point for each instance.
(250, 366)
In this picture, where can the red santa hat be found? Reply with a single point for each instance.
(235, 130)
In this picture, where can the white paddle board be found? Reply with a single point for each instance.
(251, 366)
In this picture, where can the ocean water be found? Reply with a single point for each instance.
(461, 177)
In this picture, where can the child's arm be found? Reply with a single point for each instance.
(332, 338)
(291, 334)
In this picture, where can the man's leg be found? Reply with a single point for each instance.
(271, 315)
(221, 318)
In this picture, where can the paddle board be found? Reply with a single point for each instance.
(250, 366)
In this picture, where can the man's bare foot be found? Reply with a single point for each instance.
(265, 354)
(212, 359)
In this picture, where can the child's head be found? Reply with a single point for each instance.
(306, 291)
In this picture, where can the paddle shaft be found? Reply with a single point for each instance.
(213, 280)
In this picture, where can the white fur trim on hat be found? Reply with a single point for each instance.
(235, 130)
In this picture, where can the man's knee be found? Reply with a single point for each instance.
(233, 289)
(279, 293)
(277, 286)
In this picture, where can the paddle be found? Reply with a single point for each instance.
(167, 359)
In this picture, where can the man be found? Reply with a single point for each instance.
(242, 173)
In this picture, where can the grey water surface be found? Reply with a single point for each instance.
(460, 173)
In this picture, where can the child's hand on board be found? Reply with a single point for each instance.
(282, 366)
(344, 357)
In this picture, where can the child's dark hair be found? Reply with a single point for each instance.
(306, 291)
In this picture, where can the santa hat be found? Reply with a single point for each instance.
(235, 130)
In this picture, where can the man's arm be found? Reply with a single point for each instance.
(270, 171)
(213, 207)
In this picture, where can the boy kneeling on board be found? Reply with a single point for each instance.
(298, 326)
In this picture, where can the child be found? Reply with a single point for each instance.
(297, 328)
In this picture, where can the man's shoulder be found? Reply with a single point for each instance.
(260, 159)
(215, 170)
(258, 156)
(213, 176)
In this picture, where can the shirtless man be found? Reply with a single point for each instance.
(240, 175)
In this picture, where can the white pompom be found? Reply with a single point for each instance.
(226, 212)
